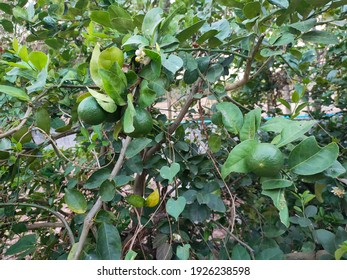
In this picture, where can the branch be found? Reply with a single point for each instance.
(58, 215)
(246, 75)
(88, 221)
(44, 225)
(212, 51)
(172, 128)
(18, 127)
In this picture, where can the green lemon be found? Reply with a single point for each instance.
(266, 160)
(5, 144)
(143, 123)
(90, 112)
(22, 135)
(109, 56)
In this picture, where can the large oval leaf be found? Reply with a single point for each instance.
(231, 116)
(94, 66)
(236, 161)
(15, 92)
(75, 201)
(280, 203)
(108, 243)
(307, 158)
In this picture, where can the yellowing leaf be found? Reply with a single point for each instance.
(153, 199)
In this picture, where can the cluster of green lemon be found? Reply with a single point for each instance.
(90, 112)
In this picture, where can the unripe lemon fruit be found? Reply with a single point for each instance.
(266, 160)
(90, 112)
(143, 123)
(109, 56)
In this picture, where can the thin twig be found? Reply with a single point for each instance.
(88, 221)
(55, 213)
(44, 225)
(21, 124)
(251, 251)
(246, 75)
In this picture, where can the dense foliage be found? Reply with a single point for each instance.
(186, 92)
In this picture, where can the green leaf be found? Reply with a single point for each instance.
(271, 254)
(26, 244)
(304, 26)
(21, 13)
(135, 200)
(38, 59)
(151, 22)
(280, 203)
(236, 161)
(101, 17)
(190, 31)
(215, 203)
(231, 116)
(43, 120)
(326, 239)
(107, 190)
(214, 143)
(131, 255)
(285, 103)
(182, 252)
(240, 253)
(137, 41)
(300, 107)
(97, 178)
(23, 53)
(307, 158)
(285, 39)
(173, 63)
(335, 170)
(164, 28)
(252, 9)
(128, 119)
(284, 4)
(320, 37)
(94, 66)
(268, 52)
(250, 125)
(115, 83)
(273, 183)
(136, 146)
(105, 101)
(122, 25)
(7, 25)
(170, 172)
(175, 207)
(6, 8)
(75, 201)
(40, 82)
(147, 95)
(15, 92)
(108, 242)
(207, 35)
(152, 71)
(214, 73)
(290, 130)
